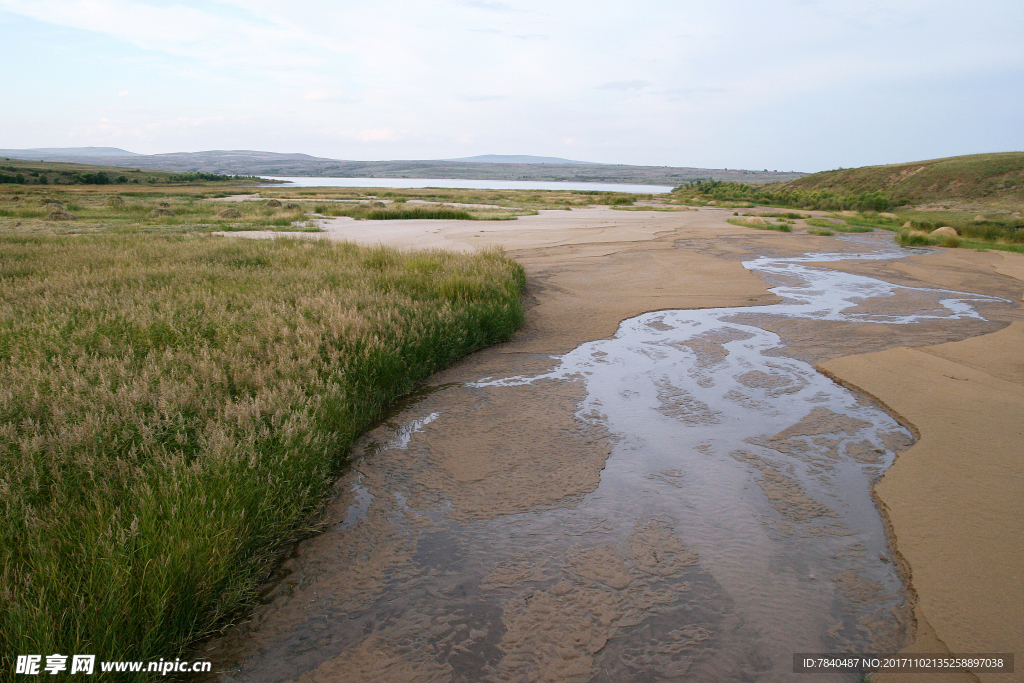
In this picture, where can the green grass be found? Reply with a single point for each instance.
(971, 177)
(173, 408)
(59, 174)
(950, 191)
(824, 232)
(787, 214)
(915, 239)
(112, 211)
(909, 238)
(379, 211)
(647, 208)
(419, 213)
(780, 227)
(997, 229)
(837, 226)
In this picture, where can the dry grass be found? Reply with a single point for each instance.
(179, 212)
(173, 408)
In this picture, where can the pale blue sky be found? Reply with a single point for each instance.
(789, 85)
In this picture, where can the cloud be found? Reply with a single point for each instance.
(123, 93)
(488, 5)
(624, 85)
(483, 98)
(378, 135)
(199, 34)
(329, 96)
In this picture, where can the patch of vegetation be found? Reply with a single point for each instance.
(975, 176)
(919, 239)
(153, 211)
(173, 408)
(1002, 229)
(24, 172)
(781, 195)
(993, 182)
(651, 208)
(763, 225)
(788, 214)
(824, 232)
(212, 177)
(837, 225)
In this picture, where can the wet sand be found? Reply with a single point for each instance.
(588, 270)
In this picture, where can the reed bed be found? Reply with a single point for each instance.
(174, 408)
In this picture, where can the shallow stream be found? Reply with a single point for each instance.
(732, 525)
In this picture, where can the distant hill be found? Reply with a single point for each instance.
(50, 153)
(250, 162)
(520, 159)
(984, 177)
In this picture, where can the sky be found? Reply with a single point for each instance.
(804, 85)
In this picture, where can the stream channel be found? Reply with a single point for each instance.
(680, 502)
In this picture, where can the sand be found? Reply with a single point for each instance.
(954, 501)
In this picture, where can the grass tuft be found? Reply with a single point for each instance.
(748, 223)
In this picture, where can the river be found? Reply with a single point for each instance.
(681, 500)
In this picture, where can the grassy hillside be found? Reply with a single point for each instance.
(27, 172)
(981, 196)
(976, 177)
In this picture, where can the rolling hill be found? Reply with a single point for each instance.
(975, 177)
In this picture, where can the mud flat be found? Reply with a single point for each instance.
(682, 494)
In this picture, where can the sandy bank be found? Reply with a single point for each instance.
(954, 500)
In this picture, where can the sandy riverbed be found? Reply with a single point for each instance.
(954, 500)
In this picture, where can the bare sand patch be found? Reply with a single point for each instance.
(955, 499)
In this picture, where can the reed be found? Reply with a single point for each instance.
(173, 408)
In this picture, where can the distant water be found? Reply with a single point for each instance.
(459, 183)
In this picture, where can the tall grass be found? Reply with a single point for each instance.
(173, 408)
(417, 212)
(778, 227)
(838, 226)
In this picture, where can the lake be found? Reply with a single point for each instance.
(460, 183)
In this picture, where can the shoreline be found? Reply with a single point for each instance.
(590, 269)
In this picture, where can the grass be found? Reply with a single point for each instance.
(792, 215)
(196, 206)
(915, 239)
(980, 195)
(996, 228)
(824, 232)
(109, 211)
(57, 173)
(173, 408)
(650, 208)
(780, 227)
(971, 177)
(976, 177)
(379, 211)
(838, 226)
